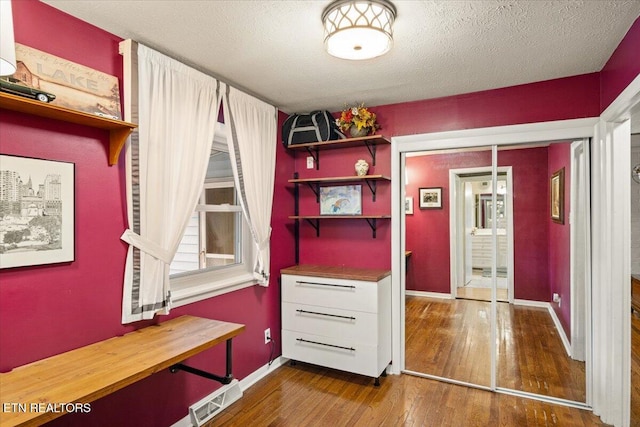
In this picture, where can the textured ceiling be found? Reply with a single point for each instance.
(274, 49)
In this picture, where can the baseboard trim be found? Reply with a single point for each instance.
(554, 317)
(428, 294)
(245, 384)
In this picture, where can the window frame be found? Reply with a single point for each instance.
(187, 288)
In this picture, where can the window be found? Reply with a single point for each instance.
(214, 255)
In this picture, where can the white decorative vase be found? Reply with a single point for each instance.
(362, 167)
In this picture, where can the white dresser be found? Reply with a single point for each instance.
(337, 317)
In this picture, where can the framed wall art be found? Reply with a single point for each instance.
(431, 198)
(408, 205)
(341, 200)
(557, 196)
(37, 211)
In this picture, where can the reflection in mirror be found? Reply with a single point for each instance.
(445, 337)
(545, 324)
(635, 274)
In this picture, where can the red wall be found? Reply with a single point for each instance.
(560, 239)
(428, 230)
(622, 68)
(50, 309)
(349, 242)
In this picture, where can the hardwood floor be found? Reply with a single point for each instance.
(448, 338)
(451, 338)
(481, 294)
(307, 395)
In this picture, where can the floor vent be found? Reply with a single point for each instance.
(207, 408)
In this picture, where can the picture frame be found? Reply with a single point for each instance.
(37, 211)
(556, 192)
(408, 205)
(430, 198)
(341, 200)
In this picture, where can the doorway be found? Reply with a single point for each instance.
(471, 222)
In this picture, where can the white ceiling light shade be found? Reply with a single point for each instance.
(7, 44)
(358, 29)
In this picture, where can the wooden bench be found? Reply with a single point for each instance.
(88, 373)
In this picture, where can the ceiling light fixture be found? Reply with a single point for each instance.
(7, 45)
(358, 29)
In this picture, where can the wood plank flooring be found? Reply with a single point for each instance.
(481, 294)
(307, 395)
(448, 338)
(451, 338)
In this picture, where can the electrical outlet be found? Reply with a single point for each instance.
(309, 162)
(267, 335)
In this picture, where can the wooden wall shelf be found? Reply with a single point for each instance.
(314, 183)
(118, 130)
(314, 220)
(313, 148)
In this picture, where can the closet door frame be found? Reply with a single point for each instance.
(469, 138)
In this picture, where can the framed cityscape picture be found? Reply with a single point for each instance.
(37, 211)
(431, 198)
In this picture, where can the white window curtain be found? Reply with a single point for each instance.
(166, 166)
(252, 138)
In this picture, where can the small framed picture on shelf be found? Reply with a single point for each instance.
(408, 205)
(431, 198)
(341, 200)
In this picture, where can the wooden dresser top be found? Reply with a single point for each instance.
(337, 272)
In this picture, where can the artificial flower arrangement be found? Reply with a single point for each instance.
(359, 121)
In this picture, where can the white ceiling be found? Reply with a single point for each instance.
(274, 49)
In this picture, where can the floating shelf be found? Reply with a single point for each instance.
(118, 130)
(313, 148)
(314, 220)
(314, 183)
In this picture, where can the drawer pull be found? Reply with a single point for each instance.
(326, 284)
(326, 345)
(326, 314)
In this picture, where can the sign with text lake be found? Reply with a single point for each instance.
(75, 86)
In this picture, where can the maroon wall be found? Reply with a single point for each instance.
(50, 309)
(428, 230)
(560, 238)
(349, 242)
(622, 68)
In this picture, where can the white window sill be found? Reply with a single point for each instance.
(187, 290)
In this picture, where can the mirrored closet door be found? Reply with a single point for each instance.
(497, 260)
(536, 350)
(449, 337)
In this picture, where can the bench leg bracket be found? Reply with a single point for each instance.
(223, 380)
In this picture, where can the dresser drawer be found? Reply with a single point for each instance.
(356, 326)
(338, 293)
(336, 353)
